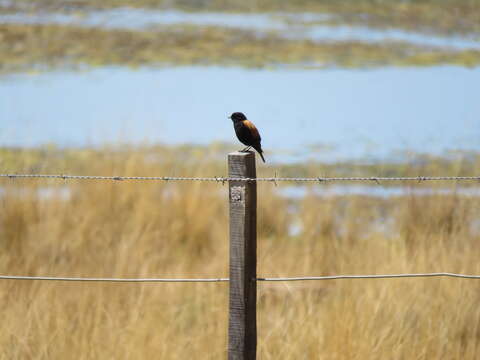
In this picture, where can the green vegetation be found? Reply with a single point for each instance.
(430, 16)
(157, 229)
(26, 47)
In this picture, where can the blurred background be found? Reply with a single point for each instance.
(324, 80)
(145, 88)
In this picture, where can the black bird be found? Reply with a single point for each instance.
(247, 133)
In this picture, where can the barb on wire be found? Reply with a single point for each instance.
(275, 179)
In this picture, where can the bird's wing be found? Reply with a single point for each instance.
(252, 129)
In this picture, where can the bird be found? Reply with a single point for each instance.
(247, 133)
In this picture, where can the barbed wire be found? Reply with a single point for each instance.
(189, 280)
(387, 276)
(223, 180)
(122, 280)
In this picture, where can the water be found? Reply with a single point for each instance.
(329, 115)
(299, 192)
(290, 192)
(360, 33)
(323, 114)
(139, 19)
(287, 25)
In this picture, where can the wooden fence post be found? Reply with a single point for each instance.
(242, 324)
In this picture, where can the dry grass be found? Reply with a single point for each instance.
(131, 229)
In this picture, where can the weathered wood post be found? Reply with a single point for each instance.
(242, 325)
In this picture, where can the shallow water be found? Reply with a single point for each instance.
(138, 19)
(312, 114)
(293, 191)
(298, 192)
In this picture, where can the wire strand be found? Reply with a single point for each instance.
(304, 278)
(387, 276)
(222, 180)
(126, 280)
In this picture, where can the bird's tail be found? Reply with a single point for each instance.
(261, 155)
(260, 152)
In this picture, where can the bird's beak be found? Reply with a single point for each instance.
(229, 118)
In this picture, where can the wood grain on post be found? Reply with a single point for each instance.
(242, 326)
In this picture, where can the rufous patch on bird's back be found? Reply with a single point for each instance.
(252, 127)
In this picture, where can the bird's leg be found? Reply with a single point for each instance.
(245, 149)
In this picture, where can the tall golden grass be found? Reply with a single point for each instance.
(153, 229)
